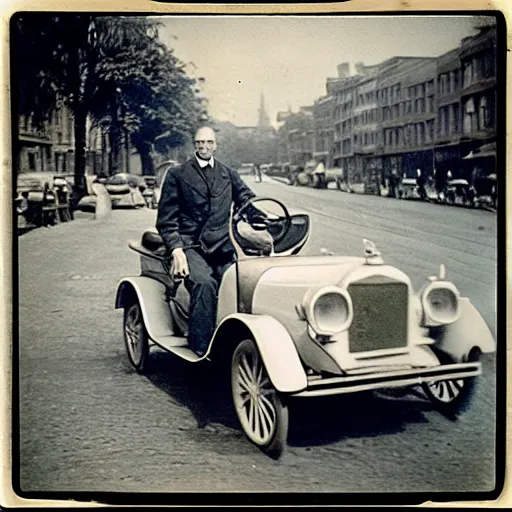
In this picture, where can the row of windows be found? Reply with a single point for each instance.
(368, 116)
(478, 113)
(448, 83)
(448, 120)
(366, 138)
(479, 67)
(414, 134)
(395, 94)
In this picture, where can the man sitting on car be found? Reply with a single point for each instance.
(193, 221)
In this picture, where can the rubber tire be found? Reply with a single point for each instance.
(462, 401)
(140, 365)
(275, 446)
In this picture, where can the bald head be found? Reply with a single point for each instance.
(205, 142)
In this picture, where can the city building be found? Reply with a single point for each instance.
(406, 98)
(343, 89)
(324, 129)
(367, 162)
(478, 103)
(298, 132)
(49, 147)
(404, 114)
(448, 121)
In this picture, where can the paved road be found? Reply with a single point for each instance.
(89, 423)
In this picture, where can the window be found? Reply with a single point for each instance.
(430, 104)
(468, 73)
(446, 121)
(421, 134)
(484, 113)
(470, 119)
(456, 80)
(456, 118)
(32, 161)
(430, 130)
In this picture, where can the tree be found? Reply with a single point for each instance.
(113, 69)
(56, 63)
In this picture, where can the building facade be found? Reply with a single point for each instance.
(49, 148)
(323, 129)
(405, 114)
(298, 134)
(408, 112)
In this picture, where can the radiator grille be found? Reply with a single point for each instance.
(380, 314)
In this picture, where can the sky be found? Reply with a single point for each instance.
(288, 58)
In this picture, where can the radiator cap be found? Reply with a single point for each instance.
(373, 256)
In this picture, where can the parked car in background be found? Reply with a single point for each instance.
(42, 198)
(293, 173)
(126, 190)
(314, 174)
(278, 170)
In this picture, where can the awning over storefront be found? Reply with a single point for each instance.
(484, 151)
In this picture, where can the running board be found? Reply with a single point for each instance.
(393, 379)
(178, 345)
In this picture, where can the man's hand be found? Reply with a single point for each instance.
(179, 264)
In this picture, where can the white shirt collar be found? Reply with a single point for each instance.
(204, 163)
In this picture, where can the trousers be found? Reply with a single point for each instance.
(205, 274)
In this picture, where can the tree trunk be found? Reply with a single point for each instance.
(80, 188)
(144, 150)
(115, 143)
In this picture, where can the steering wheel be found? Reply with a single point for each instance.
(276, 226)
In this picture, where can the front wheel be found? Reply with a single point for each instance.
(452, 397)
(259, 406)
(136, 337)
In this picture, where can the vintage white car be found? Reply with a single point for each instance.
(126, 190)
(292, 326)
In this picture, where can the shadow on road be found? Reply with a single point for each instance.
(198, 386)
(205, 391)
(326, 420)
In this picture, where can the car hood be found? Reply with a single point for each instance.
(289, 277)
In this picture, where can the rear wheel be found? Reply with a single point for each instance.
(259, 406)
(136, 337)
(452, 397)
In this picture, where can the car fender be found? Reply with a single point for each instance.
(469, 331)
(151, 295)
(276, 347)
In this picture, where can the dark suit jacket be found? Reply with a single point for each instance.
(192, 211)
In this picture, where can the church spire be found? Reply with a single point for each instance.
(263, 120)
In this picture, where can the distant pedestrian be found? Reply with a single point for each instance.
(393, 183)
(257, 170)
(420, 183)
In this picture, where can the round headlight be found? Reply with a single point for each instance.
(329, 311)
(441, 305)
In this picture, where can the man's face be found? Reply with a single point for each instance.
(205, 143)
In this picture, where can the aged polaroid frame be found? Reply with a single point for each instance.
(12, 496)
